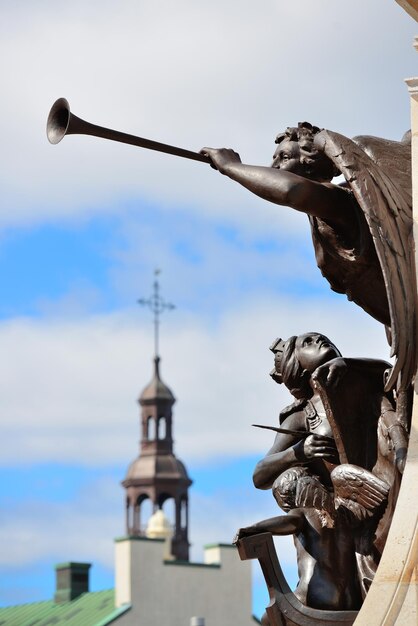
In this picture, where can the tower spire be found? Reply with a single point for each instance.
(157, 474)
(157, 305)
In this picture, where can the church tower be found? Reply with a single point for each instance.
(157, 474)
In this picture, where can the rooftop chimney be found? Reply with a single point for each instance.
(72, 579)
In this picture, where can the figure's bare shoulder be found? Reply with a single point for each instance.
(295, 420)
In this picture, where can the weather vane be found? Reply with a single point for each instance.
(157, 305)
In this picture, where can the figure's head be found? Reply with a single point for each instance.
(296, 359)
(284, 487)
(313, 350)
(296, 152)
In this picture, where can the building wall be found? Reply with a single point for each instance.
(170, 593)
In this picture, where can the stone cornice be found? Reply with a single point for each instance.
(412, 86)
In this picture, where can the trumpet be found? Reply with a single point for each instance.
(62, 122)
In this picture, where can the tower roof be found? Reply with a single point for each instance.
(156, 390)
(154, 468)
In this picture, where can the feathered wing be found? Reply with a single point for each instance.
(379, 174)
(358, 490)
(311, 493)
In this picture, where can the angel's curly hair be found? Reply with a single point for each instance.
(312, 159)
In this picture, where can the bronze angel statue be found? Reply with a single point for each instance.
(361, 228)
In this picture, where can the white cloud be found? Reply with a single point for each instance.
(188, 74)
(209, 262)
(68, 387)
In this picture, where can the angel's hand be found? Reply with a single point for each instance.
(318, 446)
(241, 532)
(221, 157)
(331, 373)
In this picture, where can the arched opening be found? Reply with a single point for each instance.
(184, 513)
(151, 428)
(167, 503)
(162, 427)
(143, 510)
(128, 516)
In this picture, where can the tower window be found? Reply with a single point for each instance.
(151, 428)
(162, 426)
(183, 514)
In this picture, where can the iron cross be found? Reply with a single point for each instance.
(157, 305)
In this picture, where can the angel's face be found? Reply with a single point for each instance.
(307, 162)
(287, 157)
(313, 350)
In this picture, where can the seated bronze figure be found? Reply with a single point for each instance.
(335, 467)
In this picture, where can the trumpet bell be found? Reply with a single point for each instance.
(58, 121)
(62, 122)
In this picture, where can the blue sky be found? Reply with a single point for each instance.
(84, 224)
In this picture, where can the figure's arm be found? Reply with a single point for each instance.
(332, 372)
(289, 524)
(285, 188)
(274, 463)
(288, 451)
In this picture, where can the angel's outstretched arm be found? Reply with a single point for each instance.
(323, 200)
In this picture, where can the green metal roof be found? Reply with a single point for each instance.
(96, 608)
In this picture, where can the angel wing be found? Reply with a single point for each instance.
(379, 174)
(358, 490)
(311, 493)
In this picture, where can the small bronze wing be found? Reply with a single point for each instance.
(358, 490)
(311, 493)
(379, 174)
